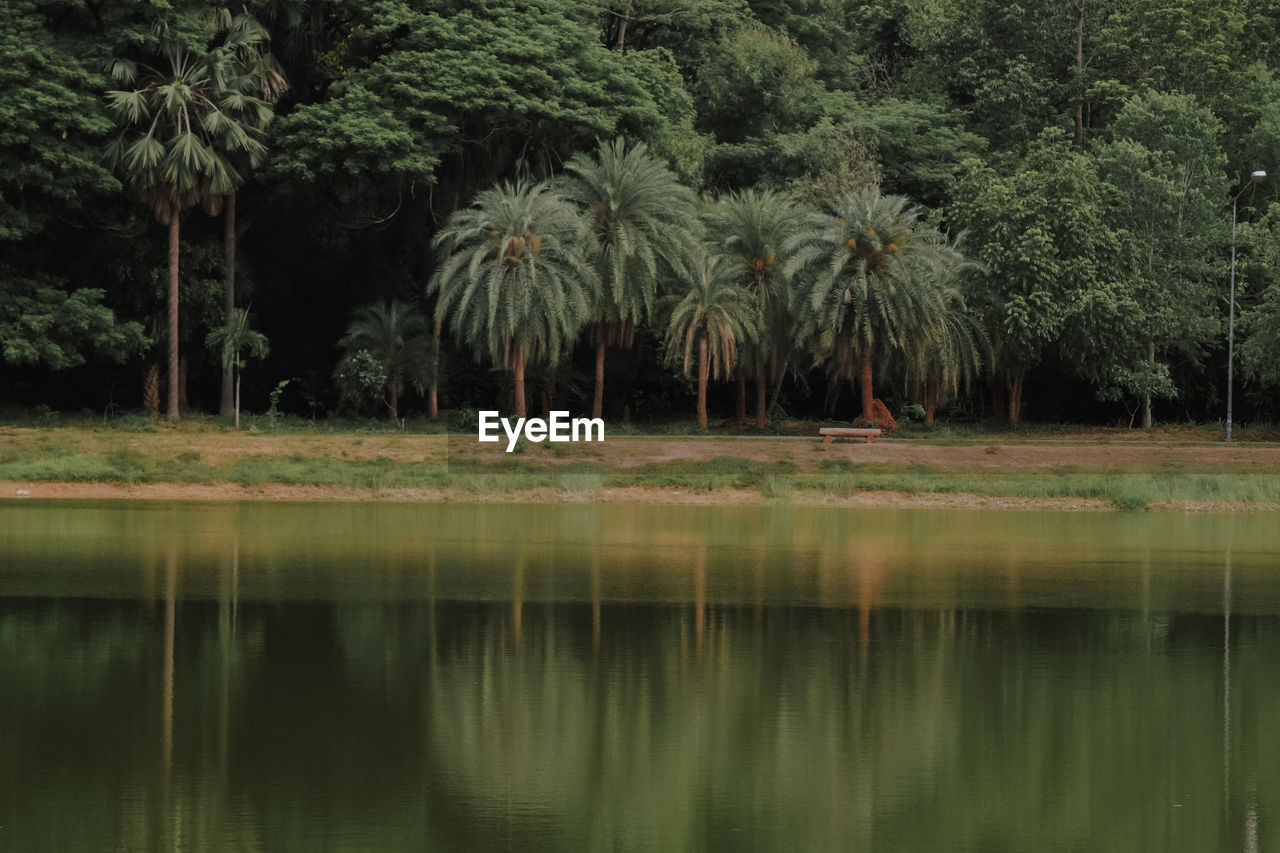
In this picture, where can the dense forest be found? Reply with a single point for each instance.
(758, 208)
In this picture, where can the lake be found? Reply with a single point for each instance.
(249, 676)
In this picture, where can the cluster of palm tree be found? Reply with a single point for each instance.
(189, 131)
(749, 285)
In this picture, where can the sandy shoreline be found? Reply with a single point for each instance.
(728, 496)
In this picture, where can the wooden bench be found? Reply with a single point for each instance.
(829, 434)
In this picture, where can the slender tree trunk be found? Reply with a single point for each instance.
(1146, 398)
(621, 42)
(762, 393)
(702, 381)
(597, 402)
(237, 400)
(868, 395)
(930, 401)
(433, 398)
(172, 411)
(1080, 79)
(1015, 401)
(521, 411)
(229, 263)
(740, 409)
(394, 405)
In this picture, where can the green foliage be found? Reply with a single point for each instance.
(42, 323)
(513, 281)
(876, 280)
(191, 119)
(713, 309)
(234, 341)
(640, 223)
(390, 338)
(360, 377)
(51, 119)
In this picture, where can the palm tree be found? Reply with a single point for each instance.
(234, 342)
(398, 338)
(512, 278)
(753, 227)
(640, 218)
(255, 70)
(876, 282)
(717, 315)
(950, 355)
(180, 131)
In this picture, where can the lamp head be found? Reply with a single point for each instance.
(1258, 175)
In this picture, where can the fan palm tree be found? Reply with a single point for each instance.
(181, 131)
(640, 218)
(716, 315)
(876, 281)
(398, 337)
(255, 69)
(233, 342)
(512, 278)
(752, 228)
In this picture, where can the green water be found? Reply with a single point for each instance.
(398, 677)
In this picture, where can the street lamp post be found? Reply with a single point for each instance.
(1231, 311)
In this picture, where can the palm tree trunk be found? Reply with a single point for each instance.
(762, 390)
(868, 396)
(930, 401)
(1015, 401)
(597, 402)
(394, 405)
(229, 263)
(702, 381)
(433, 399)
(172, 412)
(520, 407)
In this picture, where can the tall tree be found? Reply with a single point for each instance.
(1051, 264)
(640, 218)
(255, 68)
(512, 279)
(398, 338)
(751, 229)
(180, 130)
(1163, 158)
(715, 315)
(875, 280)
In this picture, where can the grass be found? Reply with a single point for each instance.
(375, 458)
(777, 480)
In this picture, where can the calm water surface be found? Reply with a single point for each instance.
(444, 677)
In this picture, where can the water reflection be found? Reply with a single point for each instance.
(780, 682)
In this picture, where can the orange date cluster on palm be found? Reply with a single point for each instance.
(761, 264)
(873, 247)
(515, 245)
